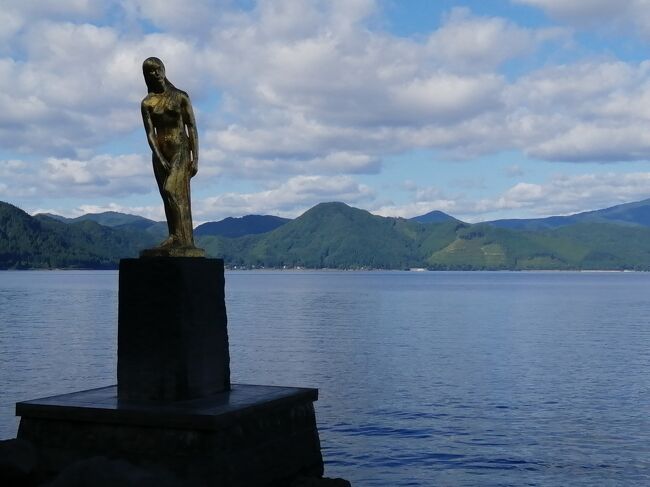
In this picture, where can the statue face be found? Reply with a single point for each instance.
(155, 72)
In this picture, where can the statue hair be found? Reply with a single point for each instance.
(155, 62)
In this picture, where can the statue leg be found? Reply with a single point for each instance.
(186, 213)
(161, 176)
(179, 219)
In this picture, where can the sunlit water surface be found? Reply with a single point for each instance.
(426, 379)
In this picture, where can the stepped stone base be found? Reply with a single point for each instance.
(246, 437)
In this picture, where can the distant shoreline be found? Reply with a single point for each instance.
(303, 269)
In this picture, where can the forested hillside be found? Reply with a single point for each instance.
(337, 236)
(28, 242)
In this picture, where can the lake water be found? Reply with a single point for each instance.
(426, 379)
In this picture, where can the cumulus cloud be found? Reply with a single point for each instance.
(193, 17)
(469, 43)
(304, 92)
(61, 9)
(80, 85)
(422, 200)
(298, 81)
(560, 195)
(288, 199)
(356, 79)
(565, 194)
(312, 86)
(616, 15)
(417, 208)
(591, 142)
(591, 111)
(98, 176)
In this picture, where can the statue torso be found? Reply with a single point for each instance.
(167, 118)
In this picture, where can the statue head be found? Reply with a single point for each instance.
(154, 74)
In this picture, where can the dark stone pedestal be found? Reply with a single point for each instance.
(174, 407)
(247, 437)
(172, 335)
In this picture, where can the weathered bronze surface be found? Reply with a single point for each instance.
(171, 132)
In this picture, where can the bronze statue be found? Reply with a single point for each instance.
(171, 132)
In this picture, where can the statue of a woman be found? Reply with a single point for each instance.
(171, 132)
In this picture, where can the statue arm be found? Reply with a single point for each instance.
(151, 136)
(190, 122)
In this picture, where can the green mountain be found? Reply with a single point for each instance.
(331, 235)
(28, 242)
(588, 246)
(114, 219)
(228, 227)
(637, 213)
(238, 227)
(106, 218)
(334, 235)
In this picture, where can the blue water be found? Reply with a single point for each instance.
(426, 379)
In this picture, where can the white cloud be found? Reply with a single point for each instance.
(300, 82)
(590, 111)
(471, 43)
(610, 15)
(97, 176)
(443, 97)
(582, 8)
(306, 93)
(590, 142)
(289, 199)
(302, 93)
(423, 199)
(101, 176)
(417, 208)
(560, 195)
(80, 85)
(11, 23)
(76, 9)
(342, 162)
(176, 15)
(565, 194)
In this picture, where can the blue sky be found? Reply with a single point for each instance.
(484, 110)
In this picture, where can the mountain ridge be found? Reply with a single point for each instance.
(633, 213)
(335, 235)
